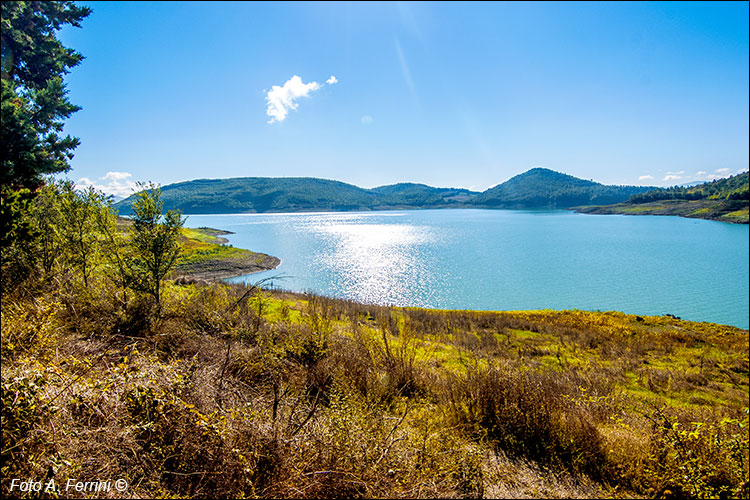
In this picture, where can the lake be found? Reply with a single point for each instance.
(506, 260)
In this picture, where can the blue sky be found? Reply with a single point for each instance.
(446, 94)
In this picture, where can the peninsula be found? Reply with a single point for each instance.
(724, 200)
(207, 255)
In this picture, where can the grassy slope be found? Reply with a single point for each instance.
(287, 395)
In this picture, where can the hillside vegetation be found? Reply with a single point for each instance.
(735, 187)
(536, 188)
(725, 200)
(540, 187)
(241, 392)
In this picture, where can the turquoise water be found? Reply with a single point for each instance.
(506, 260)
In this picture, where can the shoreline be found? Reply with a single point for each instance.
(207, 257)
(688, 209)
(703, 212)
(218, 269)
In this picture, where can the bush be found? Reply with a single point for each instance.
(528, 414)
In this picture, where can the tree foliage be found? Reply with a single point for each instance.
(731, 188)
(34, 105)
(34, 102)
(64, 235)
(80, 212)
(154, 242)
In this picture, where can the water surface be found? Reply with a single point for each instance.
(506, 259)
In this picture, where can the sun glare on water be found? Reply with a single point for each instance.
(376, 263)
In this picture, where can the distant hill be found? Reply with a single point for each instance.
(260, 194)
(541, 187)
(299, 194)
(538, 187)
(409, 194)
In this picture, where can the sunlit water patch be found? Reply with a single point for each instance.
(506, 260)
(378, 263)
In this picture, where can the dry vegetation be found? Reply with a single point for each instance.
(238, 392)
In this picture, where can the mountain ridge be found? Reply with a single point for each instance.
(538, 187)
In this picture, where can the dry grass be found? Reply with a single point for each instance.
(272, 394)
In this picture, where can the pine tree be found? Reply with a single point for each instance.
(34, 105)
(34, 102)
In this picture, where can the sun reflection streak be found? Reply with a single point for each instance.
(377, 263)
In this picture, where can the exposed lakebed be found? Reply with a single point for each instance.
(506, 259)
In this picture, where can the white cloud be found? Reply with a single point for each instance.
(283, 98)
(723, 171)
(672, 177)
(645, 177)
(116, 183)
(116, 176)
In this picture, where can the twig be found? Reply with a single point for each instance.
(309, 415)
(223, 370)
(79, 376)
(388, 437)
(255, 286)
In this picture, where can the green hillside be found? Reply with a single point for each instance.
(725, 200)
(421, 195)
(731, 188)
(541, 187)
(261, 194)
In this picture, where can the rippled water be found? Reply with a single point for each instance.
(506, 259)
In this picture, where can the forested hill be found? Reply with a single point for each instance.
(541, 187)
(736, 187)
(261, 194)
(538, 187)
(421, 195)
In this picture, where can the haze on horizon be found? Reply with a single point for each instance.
(444, 94)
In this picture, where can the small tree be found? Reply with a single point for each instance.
(78, 227)
(44, 214)
(154, 242)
